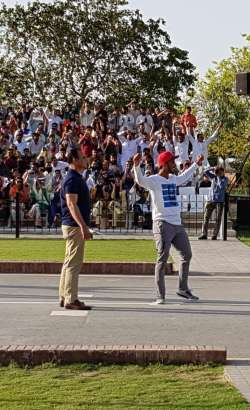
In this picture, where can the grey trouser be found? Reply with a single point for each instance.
(209, 208)
(68, 288)
(166, 234)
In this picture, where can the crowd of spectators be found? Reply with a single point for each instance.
(34, 142)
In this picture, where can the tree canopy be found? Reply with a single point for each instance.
(73, 49)
(216, 100)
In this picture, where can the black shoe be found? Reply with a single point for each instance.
(202, 237)
(187, 294)
(61, 302)
(214, 238)
(77, 305)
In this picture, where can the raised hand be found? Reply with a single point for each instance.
(199, 160)
(137, 159)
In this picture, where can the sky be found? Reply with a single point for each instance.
(206, 28)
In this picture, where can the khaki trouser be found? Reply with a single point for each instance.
(68, 288)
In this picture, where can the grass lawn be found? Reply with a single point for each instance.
(96, 250)
(244, 236)
(117, 387)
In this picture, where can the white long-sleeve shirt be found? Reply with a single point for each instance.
(201, 148)
(165, 206)
(181, 149)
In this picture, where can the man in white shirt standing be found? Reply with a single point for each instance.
(19, 143)
(166, 214)
(87, 116)
(126, 120)
(129, 147)
(54, 117)
(200, 145)
(181, 144)
(146, 120)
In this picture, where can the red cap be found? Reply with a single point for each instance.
(164, 157)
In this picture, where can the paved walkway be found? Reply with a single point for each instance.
(123, 314)
(238, 373)
(230, 257)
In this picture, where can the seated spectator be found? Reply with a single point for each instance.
(61, 155)
(4, 200)
(113, 165)
(54, 134)
(40, 202)
(4, 143)
(31, 174)
(41, 133)
(54, 216)
(24, 199)
(61, 165)
(206, 182)
(36, 145)
(11, 122)
(111, 146)
(10, 160)
(19, 143)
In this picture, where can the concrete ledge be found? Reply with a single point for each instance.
(134, 354)
(88, 268)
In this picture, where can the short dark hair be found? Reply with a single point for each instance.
(218, 169)
(73, 153)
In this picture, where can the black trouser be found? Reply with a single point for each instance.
(209, 208)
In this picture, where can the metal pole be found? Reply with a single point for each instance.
(226, 207)
(17, 215)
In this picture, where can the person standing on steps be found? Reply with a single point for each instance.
(75, 205)
(166, 214)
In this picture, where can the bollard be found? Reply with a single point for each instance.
(226, 207)
(17, 215)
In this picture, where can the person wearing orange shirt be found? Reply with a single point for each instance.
(188, 120)
(24, 198)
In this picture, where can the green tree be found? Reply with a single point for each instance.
(216, 101)
(78, 48)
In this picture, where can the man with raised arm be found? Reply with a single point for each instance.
(166, 214)
(200, 144)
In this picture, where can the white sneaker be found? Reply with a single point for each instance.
(159, 302)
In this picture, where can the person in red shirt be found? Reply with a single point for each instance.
(188, 120)
(10, 160)
(85, 142)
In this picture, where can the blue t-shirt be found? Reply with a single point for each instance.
(74, 183)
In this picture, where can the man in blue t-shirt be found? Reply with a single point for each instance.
(75, 205)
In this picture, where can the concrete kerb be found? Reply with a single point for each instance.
(134, 354)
